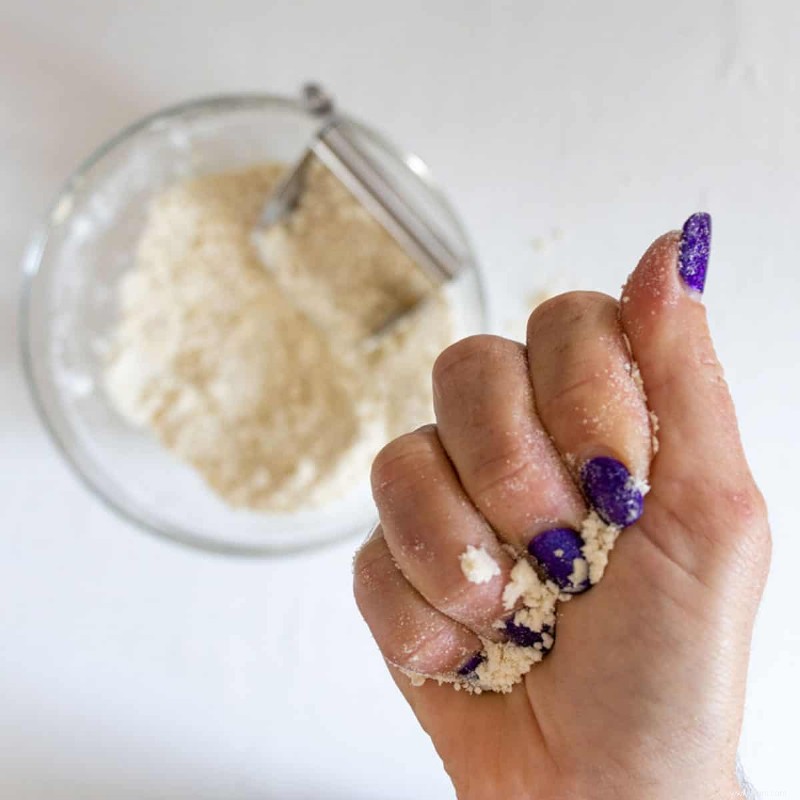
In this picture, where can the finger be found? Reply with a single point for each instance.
(588, 400)
(410, 633)
(701, 472)
(440, 542)
(503, 456)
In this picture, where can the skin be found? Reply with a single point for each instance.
(642, 695)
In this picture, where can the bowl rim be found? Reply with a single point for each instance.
(32, 261)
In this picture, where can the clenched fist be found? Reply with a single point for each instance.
(641, 695)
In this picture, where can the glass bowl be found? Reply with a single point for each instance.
(69, 309)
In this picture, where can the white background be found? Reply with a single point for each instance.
(569, 135)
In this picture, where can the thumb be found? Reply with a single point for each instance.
(704, 510)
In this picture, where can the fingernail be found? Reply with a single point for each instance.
(694, 249)
(525, 637)
(612, 491)
(471, 665)
(558, 552)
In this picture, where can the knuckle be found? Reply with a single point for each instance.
(733, 516)
(741, 507)
(750, 503)
(566, 310)
(502, 474)
(373, 569)
(416, 650)
(399, 463)
(724, 521)
(747, 511)
(467, 356)
(577, 389)
(469, 604)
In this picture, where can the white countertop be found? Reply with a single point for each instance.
(569, 135)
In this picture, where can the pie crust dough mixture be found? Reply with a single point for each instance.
(249, 355)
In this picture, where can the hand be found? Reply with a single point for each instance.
(642, 694)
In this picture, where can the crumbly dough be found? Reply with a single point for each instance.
(264, 380)
(477, 565)
(505, 663)
(599, 537)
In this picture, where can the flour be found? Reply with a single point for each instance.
(260, 378)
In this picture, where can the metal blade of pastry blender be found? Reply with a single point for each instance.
(335, 146)
(286, 194)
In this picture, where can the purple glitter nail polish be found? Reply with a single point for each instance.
(525, 637)
(471, 665)
(612, 491)
(556, 551)
(694, 249)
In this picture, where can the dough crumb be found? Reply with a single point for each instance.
(477, 565)
(580, 571)
(538, 597)
(506, 664)
(599, 538)
(654, 427)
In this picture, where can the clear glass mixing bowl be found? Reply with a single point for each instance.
(69, 309)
